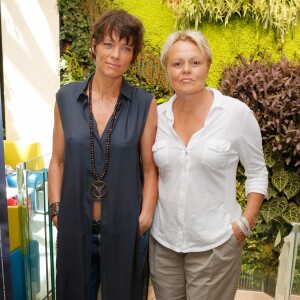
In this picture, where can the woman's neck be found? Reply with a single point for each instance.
(106, 88)
(199, 101)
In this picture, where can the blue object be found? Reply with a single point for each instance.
(33, 269)
(18, 275)
(32, 287)
(32, 180)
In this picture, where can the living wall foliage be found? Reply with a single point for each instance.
(242, 37)
(238, 37)
(272, 91)
(158, 21)
(281, 15)
(77, 18)
(148, 74)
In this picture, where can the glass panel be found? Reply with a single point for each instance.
(287, 285)
(294, 290)
(259, 266)
(37, 234)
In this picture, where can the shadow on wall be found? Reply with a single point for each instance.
(31, 65)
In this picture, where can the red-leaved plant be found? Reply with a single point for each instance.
(272, 90)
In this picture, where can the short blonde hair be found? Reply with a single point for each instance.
(193, 36)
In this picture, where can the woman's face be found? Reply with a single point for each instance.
(187, 68)
(113, 56)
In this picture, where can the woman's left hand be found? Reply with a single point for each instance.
(239, 235)
(145, 221)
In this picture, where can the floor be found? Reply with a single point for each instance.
(240, 295)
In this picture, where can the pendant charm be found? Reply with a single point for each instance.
(98, 190)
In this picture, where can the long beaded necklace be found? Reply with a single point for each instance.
(99, 188)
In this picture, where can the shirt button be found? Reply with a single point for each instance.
(99, 162)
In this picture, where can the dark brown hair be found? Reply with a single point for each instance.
(124, 25)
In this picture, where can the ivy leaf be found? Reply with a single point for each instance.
(293, 186)
(280, 179)
(272, 192)
(291, 215)
(272, 209)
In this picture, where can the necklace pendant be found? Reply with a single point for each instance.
(98, 190)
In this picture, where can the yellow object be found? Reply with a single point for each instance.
(18, 225)
(19, 151)
(13, 227)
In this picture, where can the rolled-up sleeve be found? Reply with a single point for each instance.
(252, 157)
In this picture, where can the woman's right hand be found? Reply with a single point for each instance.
(239, 235)
(55, 222)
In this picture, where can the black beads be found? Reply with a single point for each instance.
(99, 188)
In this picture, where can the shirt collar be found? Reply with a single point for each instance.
(126, 89)
(218, 98)
(217, 103)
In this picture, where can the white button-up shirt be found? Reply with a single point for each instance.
(197, 183)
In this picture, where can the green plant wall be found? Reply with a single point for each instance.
(238, 37)
(242, 37)
(157, 18)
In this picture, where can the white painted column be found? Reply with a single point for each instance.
(30, 41)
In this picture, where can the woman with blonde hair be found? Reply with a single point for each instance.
(199, 227)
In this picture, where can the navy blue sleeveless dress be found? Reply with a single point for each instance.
(121, 261)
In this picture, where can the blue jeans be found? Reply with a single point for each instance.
(95, 267)
(144, 242)
(95, 262)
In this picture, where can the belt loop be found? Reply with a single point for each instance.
(96, 227)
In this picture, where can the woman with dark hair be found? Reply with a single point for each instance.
(102, 177)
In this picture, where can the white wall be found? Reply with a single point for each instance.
(30, 41)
